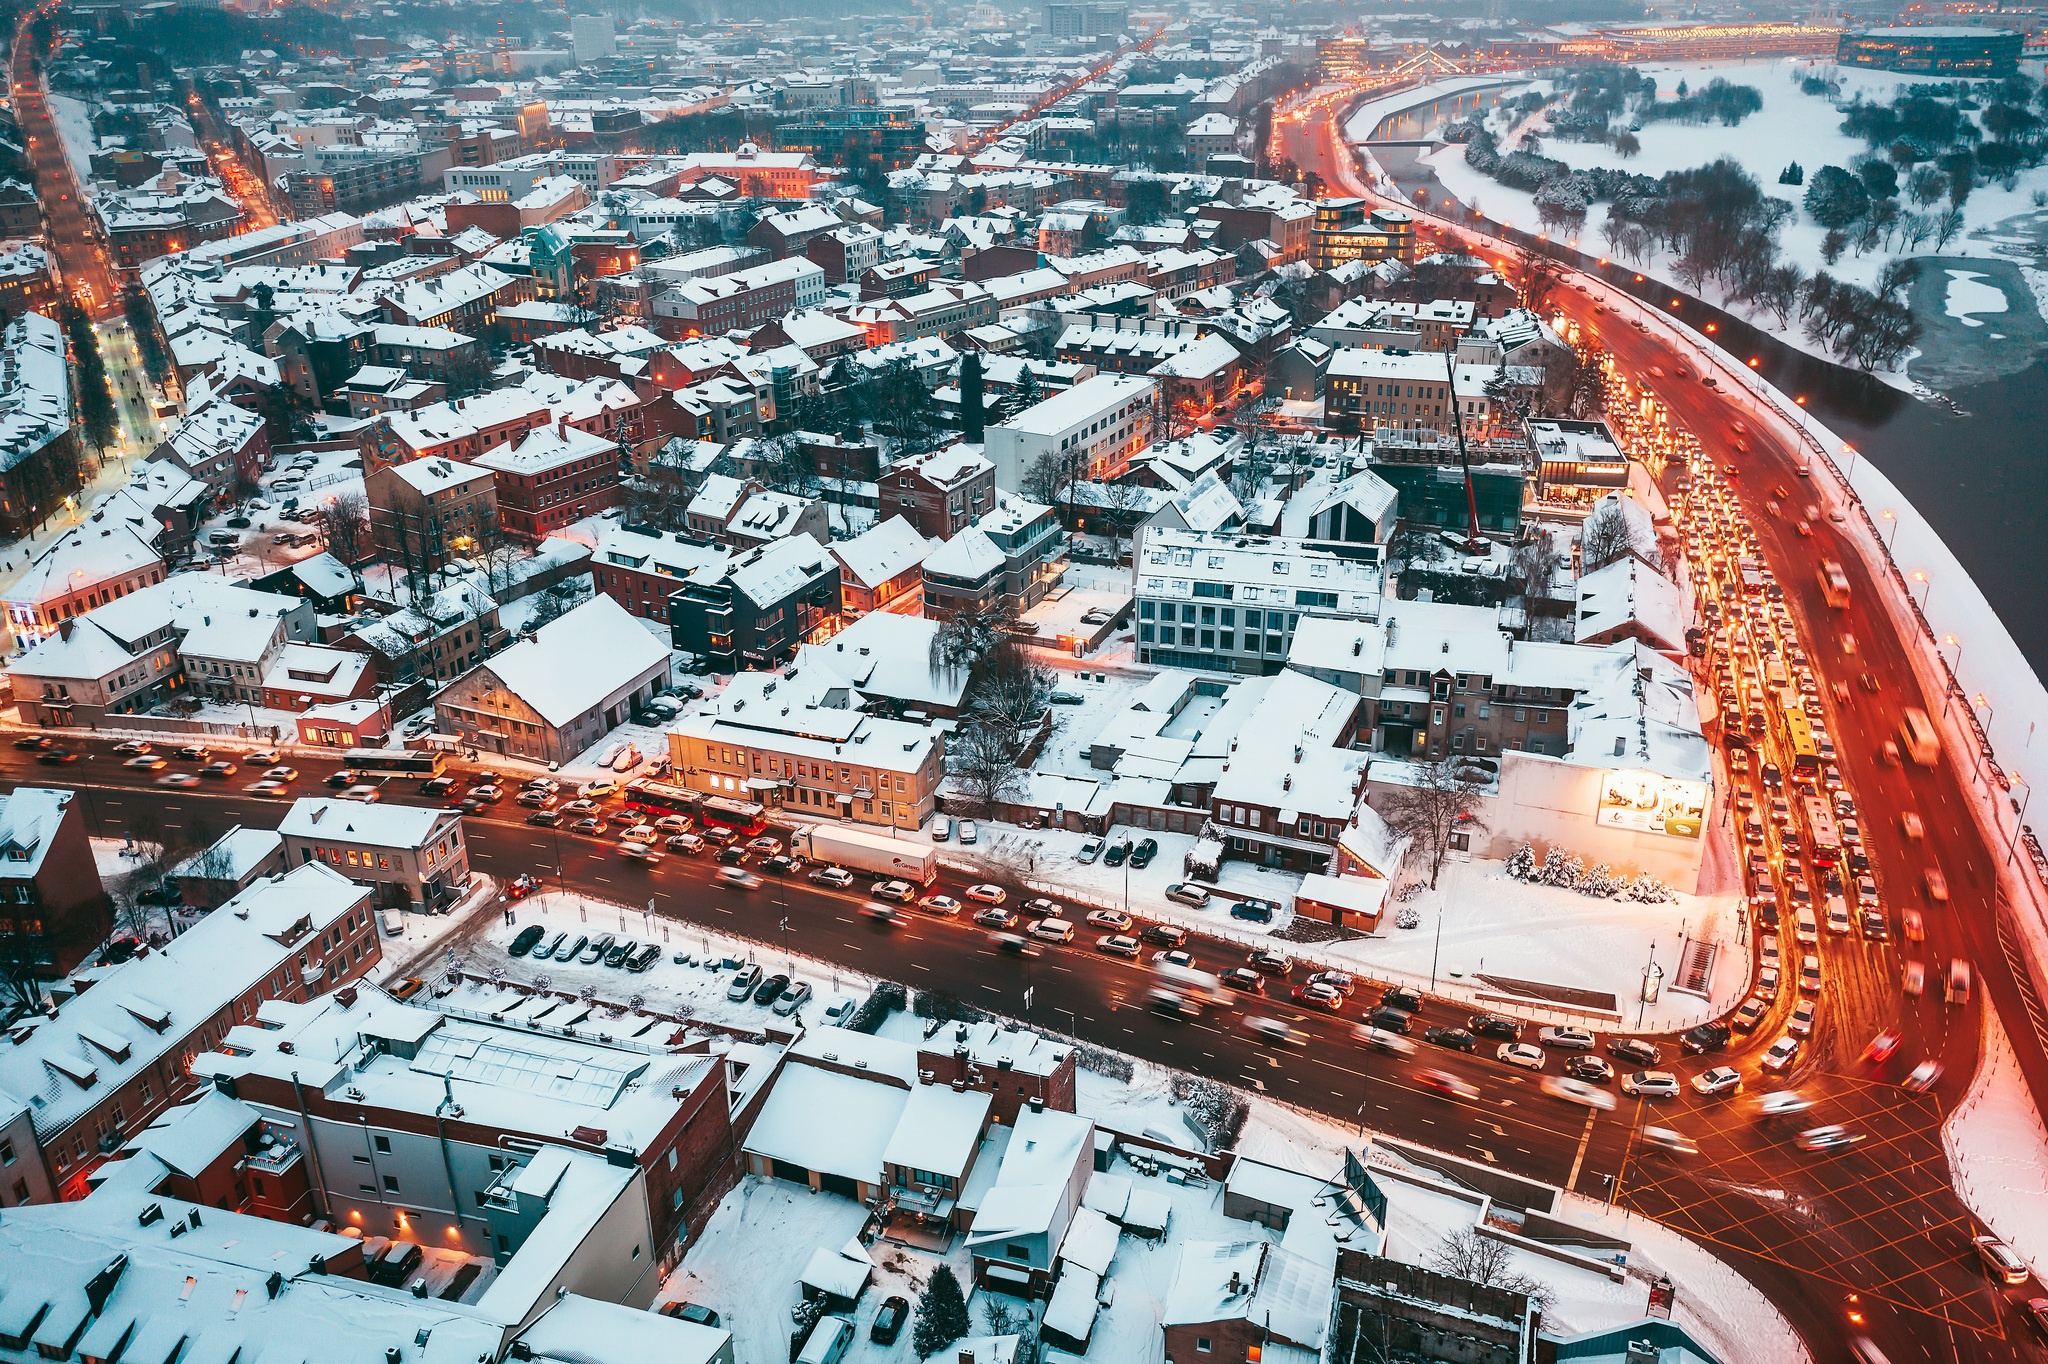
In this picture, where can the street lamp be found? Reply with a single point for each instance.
(1920, 576)
(1892, 517)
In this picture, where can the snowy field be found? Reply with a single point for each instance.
(1792, 126)
(1998, 1148)
(1491, 922)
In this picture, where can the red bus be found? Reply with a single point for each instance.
(743, 817)
(660, 798)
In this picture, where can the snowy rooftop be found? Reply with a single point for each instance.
(239, 851)
(888, 656)
(1629, 591)
(380, 825)
(29, 817)
(1285, 756)
(575, 661)
(1259, 569)
(874, 557)
(1286, 1294)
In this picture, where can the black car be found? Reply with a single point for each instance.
(1401, 997)
(732, 854)
(1875, 928)
(34, 741)
(1455, 1038)
(1391, 1020)
(770, 990)
(1166, 935)
(546, 818)
(783, 866)
(1244, 979)
(1706, 1037)
(1493, 1025)
(528, 936)
(889, 1321)
(1115, 853)
(1594, 1069)
(1634, 1050)
(1144, 852)
(620, 952)
(56, 756)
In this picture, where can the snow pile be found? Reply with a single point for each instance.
(1997, 1149)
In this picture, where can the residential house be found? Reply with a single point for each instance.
(411, 857)
(941, 493)
(425, 512)
(53, 910)
(755, 609)
(556, 475)
(881, 569)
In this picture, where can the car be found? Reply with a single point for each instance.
(1883, 1046)
(1113, 919)
(222, 769)
(885, 916)
(2000, 1260)
(987, 894)
(620, 953)
(945, 906)
(1038, 907)
(1782, 1103)
(136, 746)
(1781, 1054)
(1767, 981)
(407, 988)
(1318, 996)
(1875, 929)
(668, 824)
(732, 855)
(1593, 1069)
(547, 819)
(1493, 1025)
(57, 757)
(1650, 1084)
(537, 800)
(1064, 698)
(2037, 1314)
(1705, 1037)
(1577, 1092)
(1809, 974)
(1269, 961)
(1748, 1016)
(266, 788)
(32, 742)
(597, 790)
(596, 951)
(1922, 1077)
(839, 878)
(1340, 981)
(1274, 1030)
(692, 1313)
(969, 831)
(792, 999)
(1444, 1083)
(995, 916)
(889, 1320)
(1635, 1050)
(1091, 848)
(432, 786)
(1457, 1039)
(1674, 1142)
(521, 886)
(1801, 1022)
(1937, 886)
(280, 773)
(1719, 1080)
(1118, 945)
(1911, 825)
(178, 779)
(1181, 960)
(146, 763)
(580, 807)
(1143, 853)
(1183, 893)
(901, 892)
(1838, 916)
(1566, 1039)
(1520, 1054)
(771, 989)
(590, 824)
(1243, 979)
(737, 878)
(1115, 853)
(1913, 978)
(1833, 1137)
(1165, 935)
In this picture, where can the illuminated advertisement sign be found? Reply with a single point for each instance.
(1648, 803)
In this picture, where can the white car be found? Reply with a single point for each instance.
(943, 905)
(968, 832)
(1578, 1092)
(1113, 919)
(1801, 1022)
(1520, 1054)
(1117, 945)
(839, 877)
(1091, 848)
(281, 774)
(1650, 1084)
(987, 894)
(1719, 1080)
(1781, 1054)
(1567, 1039)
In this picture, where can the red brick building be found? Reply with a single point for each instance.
(556, 475)
(941, 493)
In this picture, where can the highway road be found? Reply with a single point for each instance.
(1884, 1221)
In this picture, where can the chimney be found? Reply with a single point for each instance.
(1236, 1283)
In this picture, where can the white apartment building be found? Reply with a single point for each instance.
(1096, 426)
(1230, 603)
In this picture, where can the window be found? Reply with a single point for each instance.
(1542, 717)
(1017, 1250)
(391, 1184)
(383, 1145)
(1202, 1344)
(6, 1153)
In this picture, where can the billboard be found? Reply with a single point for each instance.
(1649, 803)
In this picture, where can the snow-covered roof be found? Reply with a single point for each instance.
(1639, 712)
(1353, 894)
(1090, 1242)
(1285, 1294)
(192, 1136)
(577, 660)
(968, 557)
(939, 1129)
(1627, 592)
(29, 816)
(380, 824)
(233, 855)
(1029, 1195)
(1286, 757)
(881, 552)
(1364, 492)
(886, 655)
(549, 447)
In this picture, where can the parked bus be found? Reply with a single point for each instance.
(1820, 826)
(661, 798)
(1834, 584)
(743, 817)
(1799, 738)
(388, 762)
(1917, 732)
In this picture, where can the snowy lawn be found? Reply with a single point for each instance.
(1998, 1148)
(1792, 126)
(685, 989)
(1493, 923)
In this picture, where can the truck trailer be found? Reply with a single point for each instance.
(861, 850)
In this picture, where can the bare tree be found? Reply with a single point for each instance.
(346, 516)
(968, 636)
(1465, 1254)
(1441, 801)
(982, 757)
(1604, 538)
(1536, 562)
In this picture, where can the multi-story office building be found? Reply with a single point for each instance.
(1092, 429)
(1365, 389)
(1232, 603)
(1352, 229)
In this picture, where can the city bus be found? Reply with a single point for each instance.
(1916, 732)
(389, 762)
(1834, 584)
(660, 798)
(743, 817)
(1820, 826)
(1805, 751)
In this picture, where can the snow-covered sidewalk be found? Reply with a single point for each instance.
(1997, 1149)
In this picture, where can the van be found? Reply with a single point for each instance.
(1052, 930)
(942, 828)
(1808, 926)
(394, 923)
(1958, 982)
(828, 1341)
